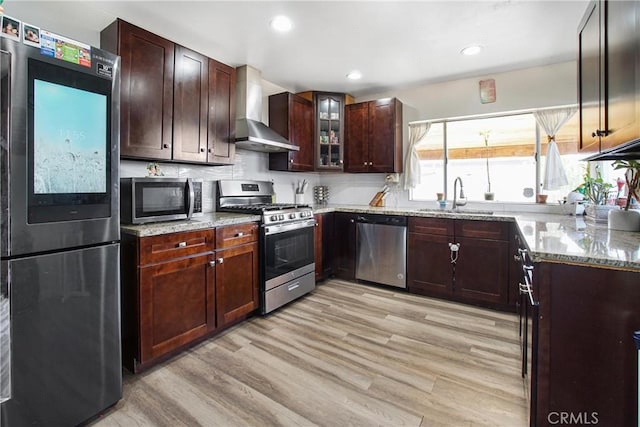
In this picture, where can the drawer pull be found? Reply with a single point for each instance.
(220, 260)
(293, 286)
(240, 234)
(182, 244)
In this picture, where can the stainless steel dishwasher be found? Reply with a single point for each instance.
(381, 249)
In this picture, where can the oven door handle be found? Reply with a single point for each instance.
(292, 226)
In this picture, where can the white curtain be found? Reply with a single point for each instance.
(552, 121)
(417, 131)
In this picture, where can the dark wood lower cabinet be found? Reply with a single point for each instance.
(236, 283)
(480, 274)
(482, 270)
(176, 304)
(429, 269)
(177, 289)
(323, 245)
(344, 235)
(587, 361)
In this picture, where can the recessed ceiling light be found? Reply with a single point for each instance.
(471, 50)
(354, 75)
(281, 24)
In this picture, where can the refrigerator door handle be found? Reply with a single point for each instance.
(5, 113)
(5, 333)
(191, 199)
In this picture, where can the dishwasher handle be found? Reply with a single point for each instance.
(395, 220)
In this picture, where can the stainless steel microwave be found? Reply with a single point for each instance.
(144, 200)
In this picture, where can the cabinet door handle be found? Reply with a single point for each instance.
(370, 163)
(290, 160)
(365, 163)
(182, 244)
(210, 150)
(220, 260)
(202, 150)
(517, 258)
(165, 145)
(240, 234)
(212, 263)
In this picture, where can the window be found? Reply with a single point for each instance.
(503, 163)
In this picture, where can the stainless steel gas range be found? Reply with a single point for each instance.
(286, 240)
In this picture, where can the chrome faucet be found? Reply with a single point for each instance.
(463, 200)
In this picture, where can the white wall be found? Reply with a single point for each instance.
(536, 87)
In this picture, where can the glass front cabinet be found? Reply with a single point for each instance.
(329, 130)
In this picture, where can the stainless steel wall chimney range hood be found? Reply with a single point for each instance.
(627, 151)
(251, 133)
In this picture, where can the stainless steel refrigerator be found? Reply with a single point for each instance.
(60, 360)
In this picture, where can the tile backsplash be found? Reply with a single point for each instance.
(344, 188)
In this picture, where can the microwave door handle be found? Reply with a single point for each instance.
(192, 198)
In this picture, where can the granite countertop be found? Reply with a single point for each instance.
(549, 237)
(207, 220)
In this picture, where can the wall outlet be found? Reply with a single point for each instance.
(392, 177)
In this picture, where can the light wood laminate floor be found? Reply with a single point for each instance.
(347, 354)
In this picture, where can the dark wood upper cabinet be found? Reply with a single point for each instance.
(329, 130)
(356, 151)
(609, 75)
(190, 105)
(176, 104)
(222, 113)
(146, 91)
(292, 117)
(385, 135)
(373, 140)
(622, 87)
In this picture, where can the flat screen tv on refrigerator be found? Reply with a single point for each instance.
(59, 271)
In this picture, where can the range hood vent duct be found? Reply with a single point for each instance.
(628, 151)
(251, 133)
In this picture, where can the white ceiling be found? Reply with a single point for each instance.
(394, 44)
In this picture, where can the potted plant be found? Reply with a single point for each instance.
(488, 195)
(596, 192)
(627, 220)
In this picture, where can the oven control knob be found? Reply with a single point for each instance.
(303, 214)
(281, 217)
(274, 217)
(292, 216)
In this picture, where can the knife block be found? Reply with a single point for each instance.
(378, 200)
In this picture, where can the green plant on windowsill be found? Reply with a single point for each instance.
(594, 188)
(632, 178)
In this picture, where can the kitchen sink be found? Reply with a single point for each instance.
(458, 211)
